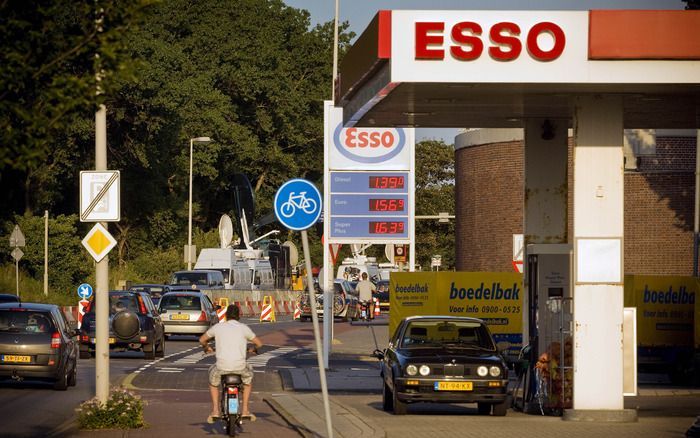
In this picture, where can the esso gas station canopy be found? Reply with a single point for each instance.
(496, 68)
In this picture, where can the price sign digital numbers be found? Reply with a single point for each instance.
(387, 182)
(386, 227)
(383, 204)
(370, 205)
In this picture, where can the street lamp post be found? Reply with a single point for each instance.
(189, 228)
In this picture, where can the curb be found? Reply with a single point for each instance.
(296, 425)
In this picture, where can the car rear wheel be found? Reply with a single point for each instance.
(149, 351)
(73, 378)
(160, 351)
(399, 406)
(62, 383)
(387, 402)
(483, 408)
(500, 409)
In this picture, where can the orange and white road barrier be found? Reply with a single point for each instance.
(268, 310)
(377, 310)
(221, 313)
(297, 311)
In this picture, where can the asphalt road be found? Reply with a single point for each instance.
(35, 409)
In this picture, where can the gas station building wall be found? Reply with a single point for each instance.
(659, 196)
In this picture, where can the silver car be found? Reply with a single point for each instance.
(187, 313)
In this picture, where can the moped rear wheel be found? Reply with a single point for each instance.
(232, 425)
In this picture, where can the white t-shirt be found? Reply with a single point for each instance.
(231, 340)
(365, 288)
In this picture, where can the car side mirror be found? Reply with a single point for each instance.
(379, 354)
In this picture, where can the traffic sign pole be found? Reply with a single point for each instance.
(298, 206)
(101, 277)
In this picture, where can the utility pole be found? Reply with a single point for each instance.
(46, 253)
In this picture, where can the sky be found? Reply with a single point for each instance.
(358, 13)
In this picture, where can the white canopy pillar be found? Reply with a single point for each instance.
(598, 267)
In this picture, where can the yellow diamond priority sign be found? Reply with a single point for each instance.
(99, 242)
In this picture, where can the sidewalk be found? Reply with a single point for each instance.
(354, 386)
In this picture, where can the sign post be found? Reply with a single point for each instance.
(17, 240)
(84, 292)
(298, 206)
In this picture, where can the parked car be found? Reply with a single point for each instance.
(383, 295)
(194, 280)
(154, 290)
(37, 343)
(187, 313)
(134, 324)
(9, 298)
(443, 359)
(344, 304)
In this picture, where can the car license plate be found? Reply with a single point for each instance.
(453, 386)
(15, 358)
(110, 340)
(233, 405)
(180, 317)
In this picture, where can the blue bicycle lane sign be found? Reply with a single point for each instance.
(297, 204)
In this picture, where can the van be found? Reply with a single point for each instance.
(219, 259)
(199, 279)
(352, 268)
(253, 274)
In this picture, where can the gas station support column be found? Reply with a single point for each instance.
(598, 241)
(546, 190)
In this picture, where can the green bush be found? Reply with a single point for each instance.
(123, 410)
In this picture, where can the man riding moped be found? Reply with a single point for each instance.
(232, 338)
(366, 288)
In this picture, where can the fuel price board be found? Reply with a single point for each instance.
(369, 205)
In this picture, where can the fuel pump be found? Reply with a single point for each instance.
(546, 364)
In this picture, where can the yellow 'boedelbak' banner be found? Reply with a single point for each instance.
(495, 297)
(665, 309)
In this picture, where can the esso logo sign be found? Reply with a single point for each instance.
(369, 145)
(468, 40)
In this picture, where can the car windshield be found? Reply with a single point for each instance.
(23, 321)
(179, 302)
(189, 278)
(437, 333)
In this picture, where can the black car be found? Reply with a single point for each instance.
(134, 324)
(443, 359)
(154, 290)
(9, 298)
(37, 343)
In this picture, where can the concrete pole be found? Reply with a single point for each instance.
(598, 294)
(46, 253)
(189, 216)
(328, 275)
(335, 52)
(101, 277)
(317, 335)
(17, 275)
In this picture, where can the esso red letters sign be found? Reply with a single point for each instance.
(369, 145)
(357, 138)
(504, 38)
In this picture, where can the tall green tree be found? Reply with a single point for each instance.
(47, 83)
(435, 179)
